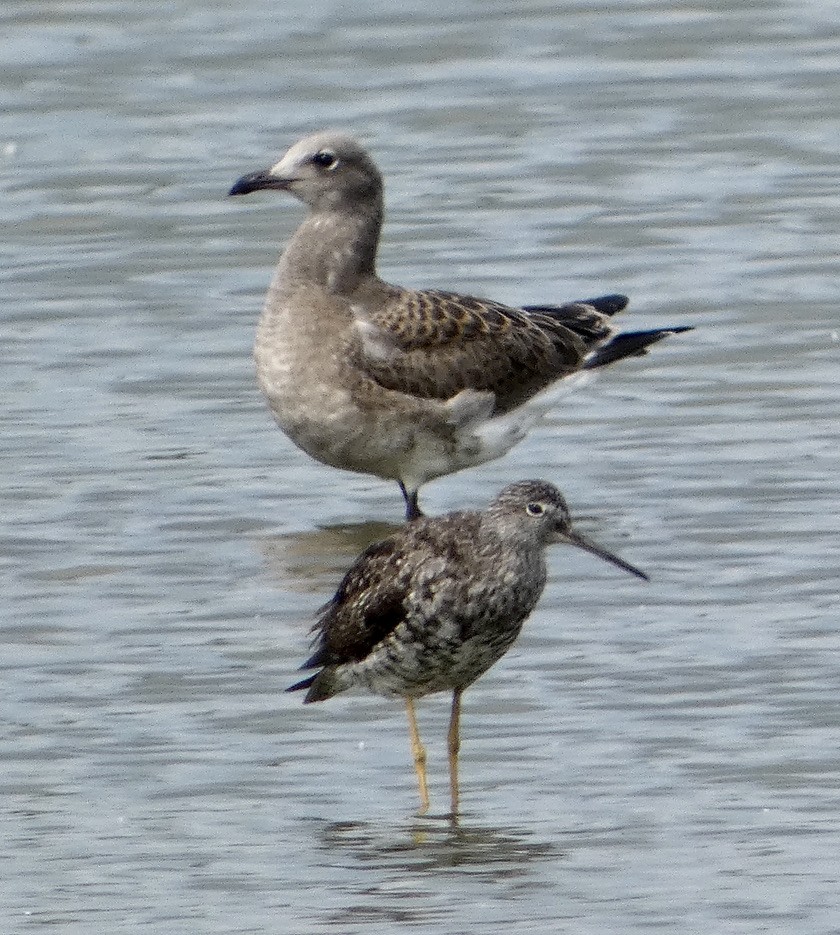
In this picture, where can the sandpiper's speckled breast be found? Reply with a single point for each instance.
(457, 636)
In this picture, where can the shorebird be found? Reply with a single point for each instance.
(433, 606)
(402, 383)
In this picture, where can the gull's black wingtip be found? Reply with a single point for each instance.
(608, 304)
(630, 344)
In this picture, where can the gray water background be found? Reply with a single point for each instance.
(658, 757)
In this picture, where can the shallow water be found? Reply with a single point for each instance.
(647, 756)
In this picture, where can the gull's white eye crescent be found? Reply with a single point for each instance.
(535, 509)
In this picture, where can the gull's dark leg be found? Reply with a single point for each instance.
(412, 508)
(418, 752)
(453, 745)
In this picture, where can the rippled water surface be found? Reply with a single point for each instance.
(648, 757)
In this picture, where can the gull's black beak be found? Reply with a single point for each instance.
(257, 181)
(565, 534)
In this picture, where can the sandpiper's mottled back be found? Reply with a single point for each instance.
(433, 606)
(402, 383)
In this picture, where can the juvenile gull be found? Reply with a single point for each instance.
(433, 606)
(402, 383)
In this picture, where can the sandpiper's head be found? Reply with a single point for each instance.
(327, 170)
(539, 510)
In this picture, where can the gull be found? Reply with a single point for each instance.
(405, 384)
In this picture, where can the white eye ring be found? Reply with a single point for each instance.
(535, 509)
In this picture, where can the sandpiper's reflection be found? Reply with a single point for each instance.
(438, 844)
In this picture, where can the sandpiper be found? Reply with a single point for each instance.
(433, 606)
(402, 383)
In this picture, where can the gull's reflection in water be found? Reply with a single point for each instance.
(314, 561)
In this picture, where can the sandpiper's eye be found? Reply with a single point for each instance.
(325, 158)
(535, 509)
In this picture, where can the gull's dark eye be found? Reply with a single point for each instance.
(535, 509)
(325, 158)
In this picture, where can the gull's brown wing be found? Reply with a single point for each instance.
(436, 344)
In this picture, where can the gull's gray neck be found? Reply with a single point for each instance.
(334, 249)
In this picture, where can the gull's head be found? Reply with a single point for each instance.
(327, 171)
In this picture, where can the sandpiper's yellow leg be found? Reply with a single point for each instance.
(418, 751)
(453, 743)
